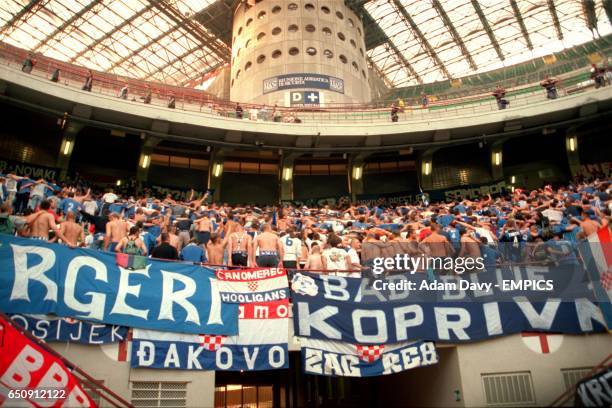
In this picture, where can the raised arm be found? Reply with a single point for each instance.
(80, 199)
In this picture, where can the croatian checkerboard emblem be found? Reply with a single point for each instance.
(606, 281)
(211, 343)
(252, 286)
(369, 354)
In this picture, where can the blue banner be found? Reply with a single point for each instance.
(42, 278)
(336, 358)
(409, 307)
(260, 345)
(446, 194)
(303, 80)
(52, 329)
(199, 356)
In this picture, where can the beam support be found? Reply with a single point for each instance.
(590, 15)
(519, 18)
(20, 14)
(66, 24)
(180, 57)
(380, 73)
(405, 62)
(555, 18)
(453, 32)
(93, 45)
(140, 49)
(488, 30)
(419, 34)
(208, 40)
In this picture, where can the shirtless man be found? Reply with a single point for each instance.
(282, 222)
(436, 245)
(116, 230)
(203, 229)
(72, 231)
(41, 222)
(140, 215)
(239, 246)
(413, 222)
(588, 225)
(173, 238)
(214, 250)
(315, 261)
(270, 248)
(470, 246)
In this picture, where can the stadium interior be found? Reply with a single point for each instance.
(312, 117)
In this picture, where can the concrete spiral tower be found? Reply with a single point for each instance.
(298, 53)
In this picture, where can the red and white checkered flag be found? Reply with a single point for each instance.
(369, 354)
(211, 343)
(252, 286)
(606, 281)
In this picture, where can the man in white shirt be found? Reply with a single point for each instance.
(553, 214)
(335, 257)
(110, 197)
(90, 207)
(37, 193)
(11, 187)
(292, 249)
(353, 258)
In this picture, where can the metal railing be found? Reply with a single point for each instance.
(94, 386)
(193, 100)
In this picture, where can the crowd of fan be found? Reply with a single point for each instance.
(542, 225)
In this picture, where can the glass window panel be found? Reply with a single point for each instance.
(125, 9)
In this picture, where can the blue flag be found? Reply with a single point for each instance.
(42, 278)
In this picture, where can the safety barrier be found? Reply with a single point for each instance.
(200, 101)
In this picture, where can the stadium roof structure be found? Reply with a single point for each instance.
(408, 42)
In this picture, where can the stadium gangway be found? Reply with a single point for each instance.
(564, 398)
(94, 386)
(190, 99)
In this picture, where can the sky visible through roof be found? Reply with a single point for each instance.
(160, 41)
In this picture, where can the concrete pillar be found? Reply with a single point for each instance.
(425, 169)
(70, 132)
(215, 172)
(298, 37)
(496, 158)
(571, 147)
(144, 161)
(286, 176)
(355, 169)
